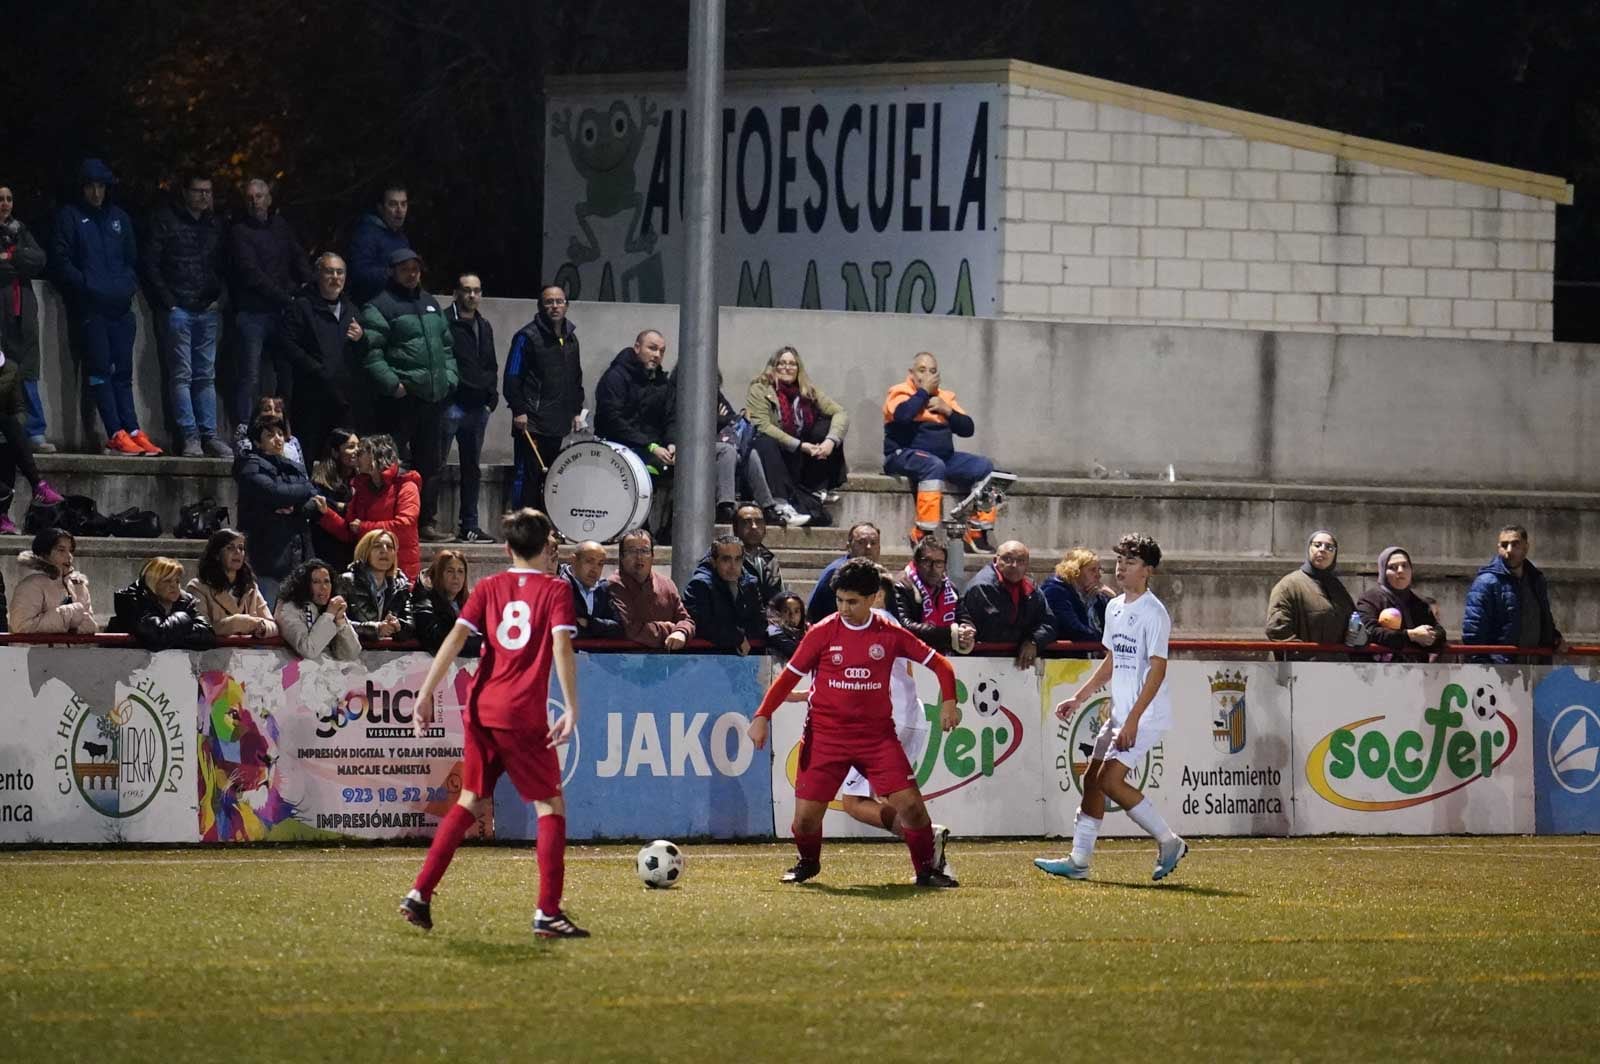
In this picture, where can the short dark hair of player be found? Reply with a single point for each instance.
(527, 532)
(1133, 545)
(858, 576)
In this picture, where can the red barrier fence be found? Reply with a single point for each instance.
(997, 650)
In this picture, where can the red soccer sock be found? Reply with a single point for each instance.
(552, 850)
(889, 819)
(446, 840)
(920, 842)
(810, 846)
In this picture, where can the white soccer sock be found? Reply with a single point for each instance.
(1145, 815)
(1085, 829)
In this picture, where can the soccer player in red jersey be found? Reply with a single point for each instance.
(525, 616)
(850, 721)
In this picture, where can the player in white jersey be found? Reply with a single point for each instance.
(912, 726)
(1136, 632)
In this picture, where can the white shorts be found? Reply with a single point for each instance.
(1105, 744)
(912, 740)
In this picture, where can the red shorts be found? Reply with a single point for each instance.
(525, 756)
(827, 758)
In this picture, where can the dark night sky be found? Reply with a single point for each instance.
(333, 98)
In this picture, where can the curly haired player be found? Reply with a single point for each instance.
(1136, 633)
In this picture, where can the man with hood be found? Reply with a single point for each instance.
(1509, 604)
(93, 256)
(378, 235)
(183, 279)
(544, 389)
(21, 260)
(724, 598)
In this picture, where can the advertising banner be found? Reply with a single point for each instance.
(1566, 752)
(96, 746)
(839, 198)
(1416, 750)
(290, 749)
(979, 779)
(1221, 769)
(660, 752)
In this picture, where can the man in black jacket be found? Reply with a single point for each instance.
(466, 416)
(269, 266)
(591, 595)
(927, 603)
(321, 345)
(634, 405)
(544, 389)
(1007, 608)
(723, 600)
(182, 267)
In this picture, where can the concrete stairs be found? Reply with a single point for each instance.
(1227, 542)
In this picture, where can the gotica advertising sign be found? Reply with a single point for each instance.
(1415, 750)
(883, 199)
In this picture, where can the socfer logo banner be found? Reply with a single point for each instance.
(1566, 752)
(1412, 749)
(979, 779)
(1221, 769)
(661, 751)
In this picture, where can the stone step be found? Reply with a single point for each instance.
(1228, 518)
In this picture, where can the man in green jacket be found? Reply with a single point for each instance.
(411, 361)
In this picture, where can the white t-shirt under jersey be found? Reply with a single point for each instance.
(1136, 632)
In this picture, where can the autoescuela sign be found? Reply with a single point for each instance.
(881, 198)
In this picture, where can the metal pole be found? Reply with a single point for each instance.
(694, 488)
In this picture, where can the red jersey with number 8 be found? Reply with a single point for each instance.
(516, 612)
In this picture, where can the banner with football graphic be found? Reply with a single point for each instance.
(1415, 750)
(978, 779)
(1221, 768)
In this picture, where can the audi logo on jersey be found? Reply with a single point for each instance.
(858, 673)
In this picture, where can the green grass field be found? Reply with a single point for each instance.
(1319, 949)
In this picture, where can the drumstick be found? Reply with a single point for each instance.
(542, 467)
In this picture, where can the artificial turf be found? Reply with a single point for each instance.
(1317, 949)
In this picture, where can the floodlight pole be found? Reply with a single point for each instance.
(694, 488)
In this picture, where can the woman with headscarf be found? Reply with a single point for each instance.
(1311, 605)
(1395, 616)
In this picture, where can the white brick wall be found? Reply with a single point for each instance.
(1114, 215)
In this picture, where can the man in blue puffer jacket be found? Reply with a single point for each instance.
(93, 254)
(1509, 604)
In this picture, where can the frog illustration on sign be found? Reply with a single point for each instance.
(604, 146)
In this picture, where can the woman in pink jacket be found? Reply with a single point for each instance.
(53, 597)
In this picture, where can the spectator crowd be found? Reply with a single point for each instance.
(348, 384)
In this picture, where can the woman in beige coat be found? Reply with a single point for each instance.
(53, 597)
(799, 434)
(313, 621)
(226, 589)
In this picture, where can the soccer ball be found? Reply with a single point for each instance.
(1484, 704)
(660, 864)
(986, 698)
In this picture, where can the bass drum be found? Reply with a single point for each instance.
(597, 490)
